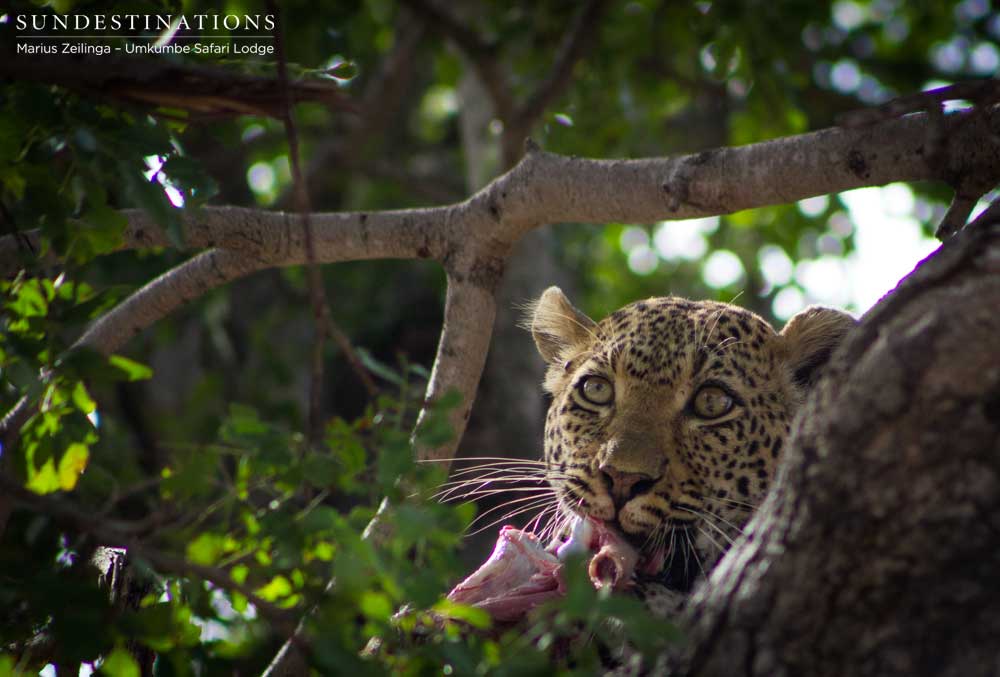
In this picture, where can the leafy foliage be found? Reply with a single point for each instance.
(264, 522)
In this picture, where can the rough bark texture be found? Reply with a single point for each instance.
(878, 551)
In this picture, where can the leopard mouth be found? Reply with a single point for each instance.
(523, 573)
(675, 565)
(681, 569)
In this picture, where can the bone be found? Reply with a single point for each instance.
(613, 566)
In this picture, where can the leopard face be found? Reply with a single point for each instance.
(669, 416)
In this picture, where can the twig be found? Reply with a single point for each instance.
(67, 513)
(989, 216)
(317, 295)
(980, 92)
(351, 355)
(958, 212)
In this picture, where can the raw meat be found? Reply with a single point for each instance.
(522, 574)
(517, 577)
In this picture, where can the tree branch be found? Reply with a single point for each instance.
(990, 216)
(204, 91)
(472, 239)
(317, 294)
(958, 212)
(981, 92)
(549, 188)
(64, 512)
(469, 312)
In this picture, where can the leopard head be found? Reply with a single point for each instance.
(669, 416)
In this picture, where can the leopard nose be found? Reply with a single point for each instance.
(625, 485)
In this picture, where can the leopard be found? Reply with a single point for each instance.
(668, 419)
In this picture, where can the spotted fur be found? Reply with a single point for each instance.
(668, 419)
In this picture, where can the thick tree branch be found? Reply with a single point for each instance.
(548, 188)
(469, 311)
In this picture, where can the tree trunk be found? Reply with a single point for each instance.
(878, 551)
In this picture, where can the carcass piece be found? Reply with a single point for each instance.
(521, 574)
(517, 577)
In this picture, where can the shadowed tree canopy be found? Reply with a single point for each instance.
(196, 397)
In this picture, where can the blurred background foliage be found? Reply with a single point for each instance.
(204, 452)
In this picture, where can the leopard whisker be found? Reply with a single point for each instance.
(711, 540)
(498, 478)
(451, 496)
(694, 551)
(557, 523)
(509, 472)
(494, 477)
(534, 505)
(722, 519)
(534, 500)
(547, 514)
(718, 314)
(473, 492)
(731, 341)
(673, 547)
(502, 459)
(490, 468)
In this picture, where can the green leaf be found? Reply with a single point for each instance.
(130, 369)
(375, 605)
(82, 399)
(378, 368)
(475, 617)
(29, 300)
(71, 466)
(206, 549)
(239, 573)
(101, 232)
(119, 663)
(278, 587)
(44, 480)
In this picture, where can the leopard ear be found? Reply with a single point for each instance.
(555, 324)
(811, 337)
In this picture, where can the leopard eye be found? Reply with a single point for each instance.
(596, 390)
(711, 402)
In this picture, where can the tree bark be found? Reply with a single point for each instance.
(878, 550)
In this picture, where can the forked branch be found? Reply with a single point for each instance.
(472, 239)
